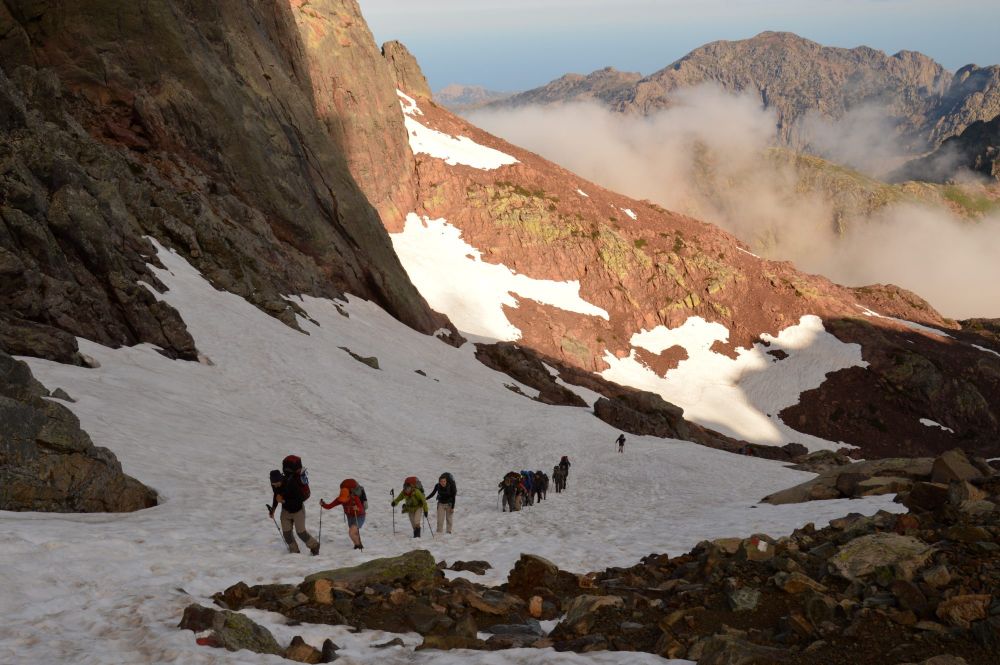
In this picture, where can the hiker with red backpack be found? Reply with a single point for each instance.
(414, 502)
(291, 490)
(352, 497)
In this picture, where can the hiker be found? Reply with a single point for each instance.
(355, 502)
(565, 464)
(559, 478)
(747, 449)
(445, 491)
(513, 491)
(527, 480)
(291, 490)
(539, 484)
(621, 442)
(415, 504)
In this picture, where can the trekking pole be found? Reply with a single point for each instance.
(428, 519)
(392, 493)
(319, 538)
(271, 513)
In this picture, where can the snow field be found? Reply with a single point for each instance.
(111, 588)
(453, 150)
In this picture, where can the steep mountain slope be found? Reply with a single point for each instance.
(223, 129)
(603, 85)
(976, 150)
(799, 78)
(654, 299)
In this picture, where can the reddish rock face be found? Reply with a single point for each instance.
(662, 268)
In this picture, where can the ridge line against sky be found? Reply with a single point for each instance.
(520, 44)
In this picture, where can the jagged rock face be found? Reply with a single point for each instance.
(354, 92)
(199, 125)
(796, 77)
(976, 149)
(405, 70)
(661, 268)
(47, 463)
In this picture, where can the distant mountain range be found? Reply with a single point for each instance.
(459, 97)
(799, 78)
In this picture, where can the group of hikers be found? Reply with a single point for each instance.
(525, 488)
(290, 488)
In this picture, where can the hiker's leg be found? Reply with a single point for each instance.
(300, 529)
(287, 522)
(448, 513)
(441, 511)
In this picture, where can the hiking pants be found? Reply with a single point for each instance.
(444, 513)
(416, 515)
(298, 521)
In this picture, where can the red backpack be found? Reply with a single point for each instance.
(413, 481)
(292, 466)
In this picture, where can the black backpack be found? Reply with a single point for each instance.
(451, 482)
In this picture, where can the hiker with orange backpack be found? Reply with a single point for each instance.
(414, 502)
(352, 497)
(291, 490)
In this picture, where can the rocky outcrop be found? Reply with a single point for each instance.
(888, 588)
(913, 475)
(245, 137)
(975, 150)
(526, 367)
(460, 98)
(49, 464)
(405, 71)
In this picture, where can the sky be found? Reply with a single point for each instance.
(515, 45)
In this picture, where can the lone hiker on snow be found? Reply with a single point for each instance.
(415, 504)
(621, 442)
(445, 490)
(291, 490)
(352, 498)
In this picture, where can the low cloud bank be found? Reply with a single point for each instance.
(711, 156)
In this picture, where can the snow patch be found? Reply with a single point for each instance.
(909, 324)
(745, 251)
(629, 212)
(985, 350)
(452, 276)
(582, 193)
(927, 422)
(740, 397)
(453, 150)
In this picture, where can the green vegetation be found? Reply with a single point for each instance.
(974, 203)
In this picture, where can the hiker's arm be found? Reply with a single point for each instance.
(274, 503)
(433, 492)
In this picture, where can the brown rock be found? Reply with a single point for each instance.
(300, 652)
(449, 642)
(954, 465)
(937, 577)
(926, 496)
(534, 576)
(796, 583)
(535, 607)
(580, 614)
(960, 491)
(962, 610)
(730, 650)
(405, 71)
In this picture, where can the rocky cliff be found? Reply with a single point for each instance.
(797, 78)
(244, 135)
(976, 150)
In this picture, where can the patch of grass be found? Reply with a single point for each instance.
(974, 203)
(639, 243)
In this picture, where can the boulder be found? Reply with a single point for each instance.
(47, 462)
(477, 567)
(732, 650)
(961, 611)
(960, 491)
(821, 460)
(411, 567)
(954, 465)
(925, 496)
(861, 557)
(581, 613)
(535, 576)
(301, 652)
(743, 600)
(229, 630)
(449, 642)
(796, 583)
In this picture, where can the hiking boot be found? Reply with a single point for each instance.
(359, 546)
(416, 532)
(314, 550)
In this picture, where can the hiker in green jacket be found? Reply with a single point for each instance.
(414, 503)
